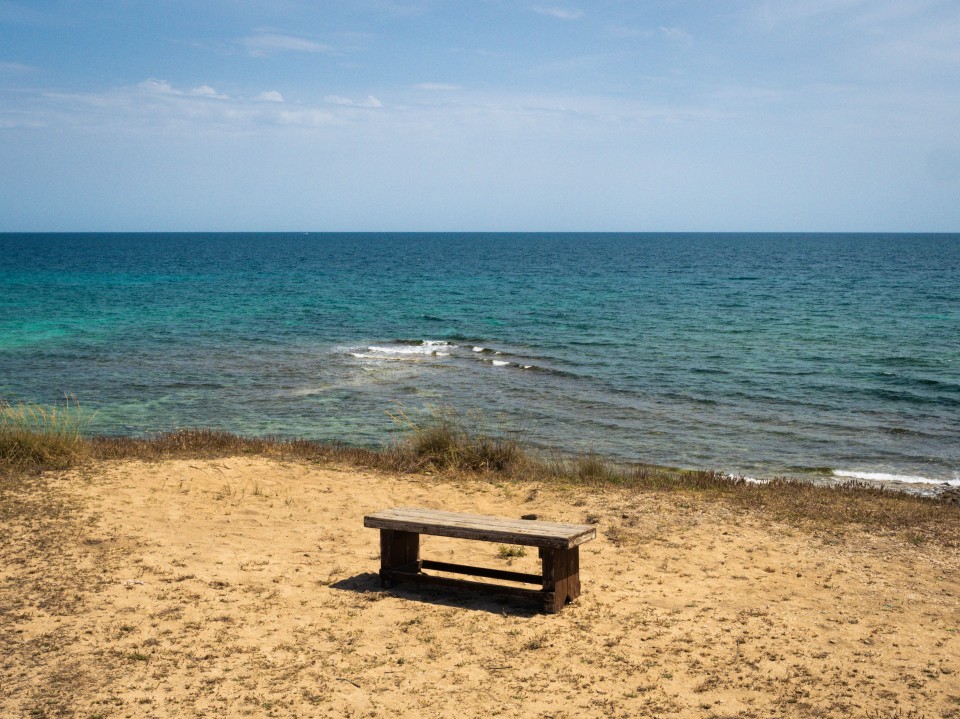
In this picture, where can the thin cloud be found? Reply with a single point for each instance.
(264, 44)
(158, 87)
(163, 87)
(206, 91)
(155, 103)
(558, 12)
(269, 96)
(370, 101)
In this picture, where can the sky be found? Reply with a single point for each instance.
(480, 115)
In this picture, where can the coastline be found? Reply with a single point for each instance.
(238, 585)
(760, 355)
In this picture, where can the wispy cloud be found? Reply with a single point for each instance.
(157, 104)
(269, 96)
(162, 87)
(267, 43)
(206, 91)
(558, 12)
(368, 101)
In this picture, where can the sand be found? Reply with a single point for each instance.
(248, 587)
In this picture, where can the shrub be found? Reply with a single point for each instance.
(448, 440)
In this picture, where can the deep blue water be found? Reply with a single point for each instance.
(758, 354)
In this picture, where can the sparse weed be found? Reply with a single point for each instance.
(505, 551)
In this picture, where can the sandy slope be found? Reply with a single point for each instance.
(247, 587)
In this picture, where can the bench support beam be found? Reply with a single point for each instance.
(560, 581)
(561, 577)
(397, 549)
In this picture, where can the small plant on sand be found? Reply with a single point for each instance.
(34, 437)
(505, 551)
(536, 643)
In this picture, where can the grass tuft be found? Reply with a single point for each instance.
(34, 438)
(507, 551)
(451, 441)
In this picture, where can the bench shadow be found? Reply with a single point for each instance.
(492, 602)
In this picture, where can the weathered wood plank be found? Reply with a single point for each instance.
(558, 543)
(480, 527)
(482, 572)
(398, 576)
(561, 577)
(397, 549)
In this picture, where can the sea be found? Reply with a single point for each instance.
(830, 357)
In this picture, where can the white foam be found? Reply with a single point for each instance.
(885, 477)
(500, 363)
(427, 348)
(479, 349)
(748, 480)
(391, 358)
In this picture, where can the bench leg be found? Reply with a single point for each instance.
(396, 550)
(561, 577)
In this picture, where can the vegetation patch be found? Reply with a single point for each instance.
(462, 445)
(35, 438)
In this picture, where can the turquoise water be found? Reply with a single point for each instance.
(753, 354)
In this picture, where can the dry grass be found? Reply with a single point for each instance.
(34, 439)
(460, 442)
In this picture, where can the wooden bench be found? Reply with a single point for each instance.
(559, 545)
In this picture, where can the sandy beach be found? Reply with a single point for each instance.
(247, 587)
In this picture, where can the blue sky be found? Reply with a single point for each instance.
(813, 115)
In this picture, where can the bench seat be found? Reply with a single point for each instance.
(558, 543)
